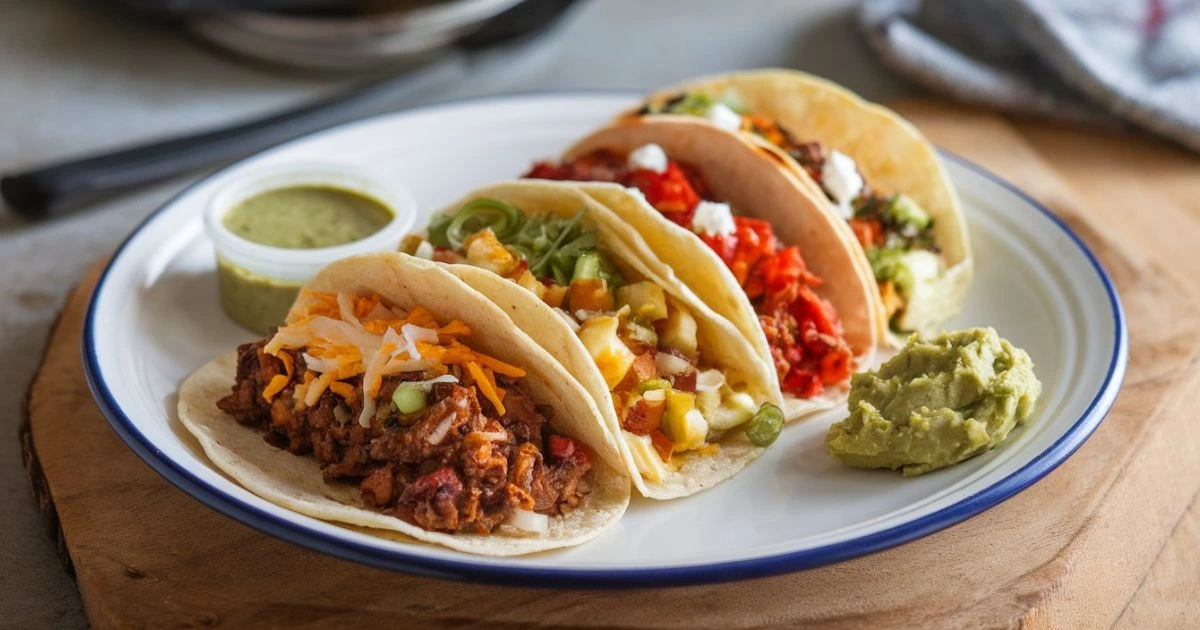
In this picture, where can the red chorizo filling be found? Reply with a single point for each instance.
(803, 330)
(433, 432)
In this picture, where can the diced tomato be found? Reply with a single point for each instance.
(643, 417)
(563, 448)
(642, 369)
(869, 232)
(685, 382)
(662, 444)
(669, 192)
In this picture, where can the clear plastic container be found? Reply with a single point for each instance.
(257, 282)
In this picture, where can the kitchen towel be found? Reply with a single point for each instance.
(1098, 61)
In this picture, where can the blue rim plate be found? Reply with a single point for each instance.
(153, 319)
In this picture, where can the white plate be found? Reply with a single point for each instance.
(155, 318)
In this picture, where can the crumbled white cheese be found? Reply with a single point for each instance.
(713, 218)
(720, 115)
(842, 181)
(424, 250)
(648, 156)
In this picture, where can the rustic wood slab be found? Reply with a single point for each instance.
(1071, 552)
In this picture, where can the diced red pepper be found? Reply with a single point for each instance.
(869, 232)
(662, 444)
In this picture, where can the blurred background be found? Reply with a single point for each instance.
(88, 77)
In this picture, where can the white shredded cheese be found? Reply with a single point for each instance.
(412, 334)
(439, 433)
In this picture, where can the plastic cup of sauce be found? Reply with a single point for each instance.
(274, 229)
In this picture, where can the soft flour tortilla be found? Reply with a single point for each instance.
(891, 154)
(295, 482)
(720, 342)
(747, 176)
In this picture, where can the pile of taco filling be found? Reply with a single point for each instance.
(644, 342)
(895, 232)
(434, 432)
(803, 330)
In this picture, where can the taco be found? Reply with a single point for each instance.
(743, 235)
(426, 412)
(684, 393)
(866, 165)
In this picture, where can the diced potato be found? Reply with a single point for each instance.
(486, 251)
(678, 331)
(589, 294)
(531, 284)
(732, 409)
(646, 299)
(682, 422)
(599, 336)
(555, 295)
(647, 460)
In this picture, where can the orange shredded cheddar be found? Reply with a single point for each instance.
(289, 364)
(453, 329)
(345, 390)
(278, 382)
(499, 366)
(486, 387)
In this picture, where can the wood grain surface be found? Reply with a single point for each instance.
(1098, 542)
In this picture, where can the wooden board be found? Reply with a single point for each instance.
(1071, 552)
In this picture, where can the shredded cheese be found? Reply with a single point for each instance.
(342, 336)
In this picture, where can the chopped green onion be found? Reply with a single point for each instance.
(654, 383)
(479, 215)
(409, 398)
(765, 426)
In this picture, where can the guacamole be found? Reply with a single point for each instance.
(936, 403)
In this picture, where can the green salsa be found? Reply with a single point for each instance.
(297, 217)
(307, 217)
(254, 301)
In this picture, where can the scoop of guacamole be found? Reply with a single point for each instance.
(936, 403)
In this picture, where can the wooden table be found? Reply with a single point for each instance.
(1109, 538)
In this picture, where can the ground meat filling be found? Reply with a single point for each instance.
(455, 466)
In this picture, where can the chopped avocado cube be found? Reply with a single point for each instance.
(409, 398)
(904, 211)
(612, 357)
(765, 425)
(678, 331)
(732, 409)
(887, 263)
(645, 458)
(654, 383)
(646, 299)
(682, 422)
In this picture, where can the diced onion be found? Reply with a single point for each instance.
(439, 432)
(655, 395)
(526, 520)
(709, 380)
(670, 364)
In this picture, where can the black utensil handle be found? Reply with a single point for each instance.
(43, 191)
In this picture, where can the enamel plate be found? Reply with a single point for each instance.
(155, 318)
